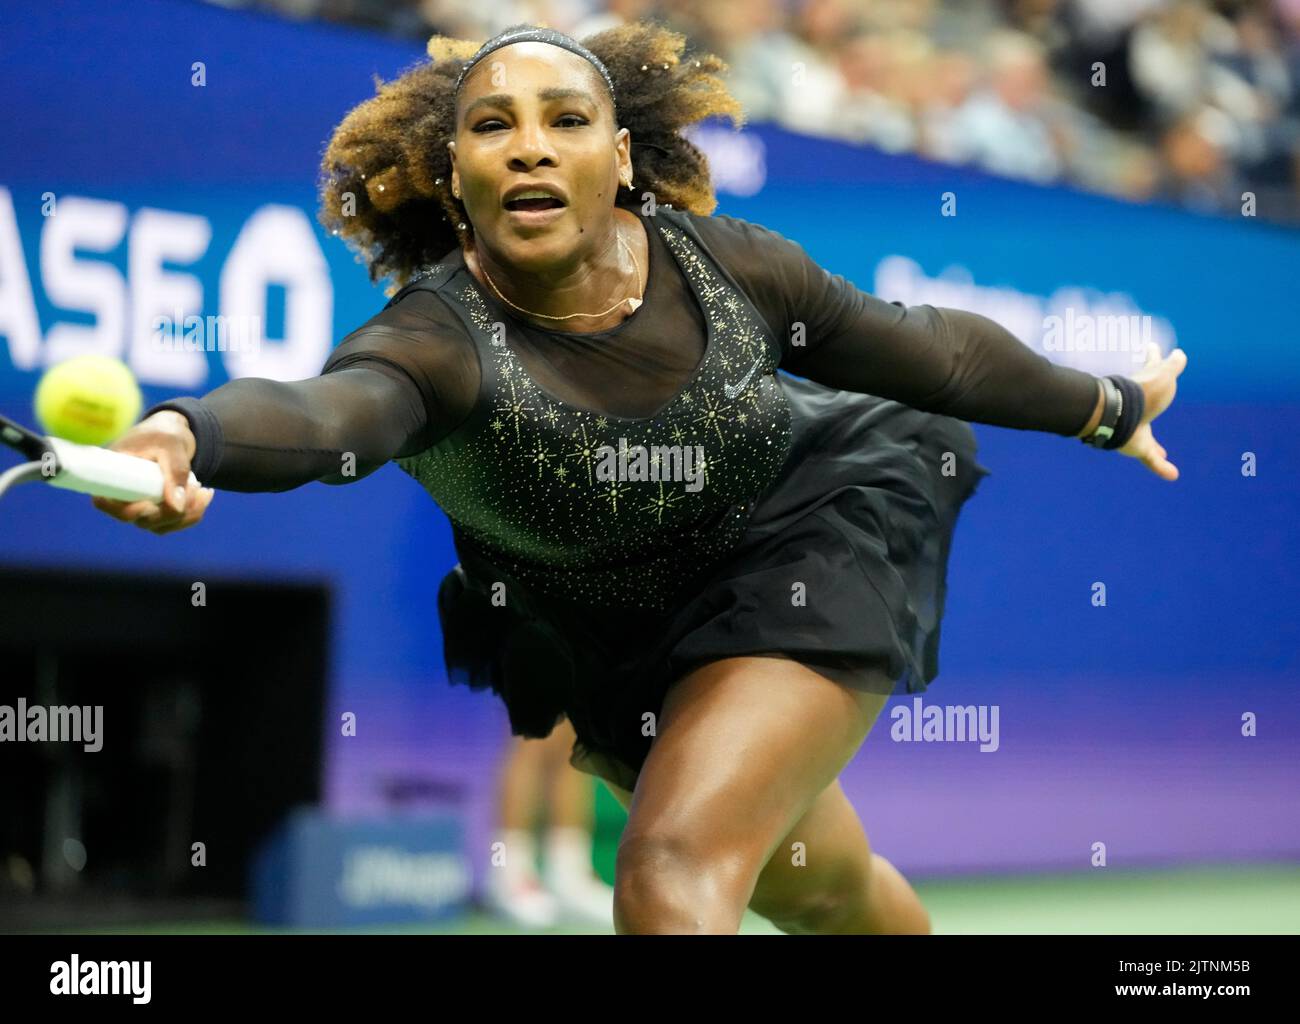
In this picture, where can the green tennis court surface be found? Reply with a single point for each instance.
(1262, 899)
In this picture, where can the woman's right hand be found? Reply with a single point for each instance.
(164, 438)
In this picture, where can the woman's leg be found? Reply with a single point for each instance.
(744, 749)
(832, 883)
(839, 886)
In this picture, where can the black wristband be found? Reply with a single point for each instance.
(1112, 400)
(1131, 414)
(206, 428)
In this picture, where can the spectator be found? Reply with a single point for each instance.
(1005, 127)
(944, 91)
(1199, 101)
(886, 81)
(1170, 57)
(1197, 171)
(814, 84)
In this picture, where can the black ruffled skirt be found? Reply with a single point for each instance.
(862, 516)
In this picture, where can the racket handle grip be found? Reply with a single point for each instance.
(105, 473)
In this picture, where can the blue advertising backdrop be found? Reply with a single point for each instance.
(161, 155)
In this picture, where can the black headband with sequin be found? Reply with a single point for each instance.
(537, 35)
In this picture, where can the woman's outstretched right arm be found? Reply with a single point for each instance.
(263, 435)
(392, 388)
(255, 434)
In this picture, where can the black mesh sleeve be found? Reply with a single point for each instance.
(264, 435)
(936, 359)
(393, 387)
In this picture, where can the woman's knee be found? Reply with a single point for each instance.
(665, 883)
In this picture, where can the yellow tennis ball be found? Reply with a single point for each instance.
(88, 399)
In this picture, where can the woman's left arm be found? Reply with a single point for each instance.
(939, 360)
(965, 365)
(936, 359)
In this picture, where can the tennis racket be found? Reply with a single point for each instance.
(79, 467)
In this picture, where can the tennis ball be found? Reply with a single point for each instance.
(88, 399)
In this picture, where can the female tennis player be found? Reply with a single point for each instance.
(718, 573)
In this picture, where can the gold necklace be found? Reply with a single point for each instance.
(636, 302)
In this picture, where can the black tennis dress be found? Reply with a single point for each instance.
(630, 504)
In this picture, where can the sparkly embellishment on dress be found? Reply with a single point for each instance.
(520, 479)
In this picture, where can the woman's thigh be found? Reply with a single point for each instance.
(744, 748)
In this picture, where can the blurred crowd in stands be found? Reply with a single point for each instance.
(1189, 101)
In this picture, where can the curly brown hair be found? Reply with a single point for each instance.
(385, 185)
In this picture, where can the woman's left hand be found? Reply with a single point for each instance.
(1159, 380)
